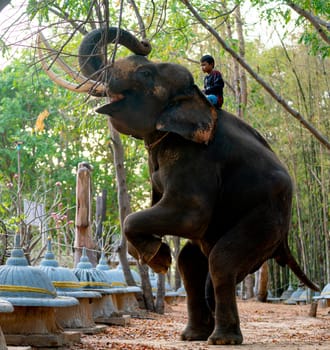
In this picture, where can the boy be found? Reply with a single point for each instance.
(213, 82)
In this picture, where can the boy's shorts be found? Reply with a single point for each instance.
(213, 99)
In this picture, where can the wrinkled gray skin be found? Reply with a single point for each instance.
(215, 181)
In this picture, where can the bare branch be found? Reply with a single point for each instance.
(266, 86)
(63, 15)
(3, 4)
(86, 85)
(98, 11)
(59, 61)
(139, 19)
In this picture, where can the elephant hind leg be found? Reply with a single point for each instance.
(246, 246)
(227, 328)
(209, 294)
(193, 267)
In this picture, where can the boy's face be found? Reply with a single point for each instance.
(206, 67)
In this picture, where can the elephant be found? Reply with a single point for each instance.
(215, 182)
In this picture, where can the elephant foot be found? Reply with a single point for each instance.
(193, 334)
(151, 251)
(147, 248)
(162, 260)
(225, 338)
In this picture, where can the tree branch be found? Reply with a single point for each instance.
(63, 15)
(316, 22)
(266, 86)
(3, 4)
(139, 19)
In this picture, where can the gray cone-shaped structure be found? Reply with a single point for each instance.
(63, 279)
(24, 285)
(90, 277)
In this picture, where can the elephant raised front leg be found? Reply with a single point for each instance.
(144, 230)
(160, 262)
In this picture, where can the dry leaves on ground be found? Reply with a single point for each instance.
(264, 326)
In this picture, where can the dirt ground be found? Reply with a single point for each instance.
(264, 326)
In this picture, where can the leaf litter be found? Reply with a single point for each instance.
(264, 326)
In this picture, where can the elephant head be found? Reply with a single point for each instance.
(146, 97)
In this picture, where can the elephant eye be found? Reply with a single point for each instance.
(145, 77)
(146, 73)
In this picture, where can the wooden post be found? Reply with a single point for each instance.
(313, 309)
(83, 236)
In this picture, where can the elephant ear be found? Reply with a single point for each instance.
(190, 115)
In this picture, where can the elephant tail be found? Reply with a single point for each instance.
(284, 257)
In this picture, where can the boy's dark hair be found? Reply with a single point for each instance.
(207, 58)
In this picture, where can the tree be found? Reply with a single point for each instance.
(288, 74)
(123, 199)
(313, 17)
(256, 76)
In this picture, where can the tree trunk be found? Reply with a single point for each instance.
(236, 76)
(147, 295)
(3, 4)
(124, 210)
(160, 304)
(101, 206)
(249, 284)
(177, 276)
(263, 283)
(300, 231)
(242, 75)
(240, 82)
(325, 221)
(123, 200)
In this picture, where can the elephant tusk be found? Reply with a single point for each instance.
(67, 69)
(86, 85)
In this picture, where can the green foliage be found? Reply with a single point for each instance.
(72, 8)
(273, 11)
(50, 155)
(317, 47)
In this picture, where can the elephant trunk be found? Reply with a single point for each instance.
(91, 58)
